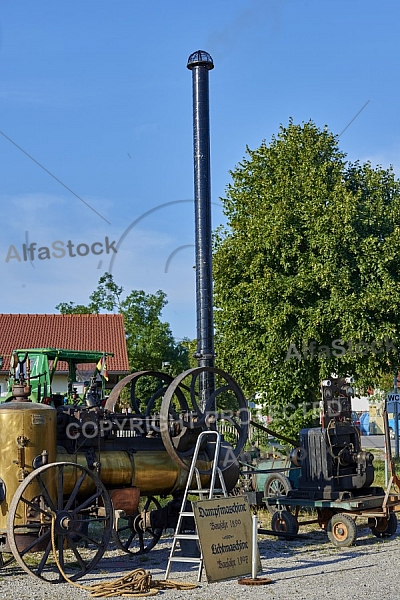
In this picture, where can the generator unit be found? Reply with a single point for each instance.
(333, 464)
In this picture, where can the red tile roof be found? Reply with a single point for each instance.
(102, 333)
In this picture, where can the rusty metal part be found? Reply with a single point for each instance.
(21, 393)
(126, 499)
(257, 581)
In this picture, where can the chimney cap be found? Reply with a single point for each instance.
(200, 58)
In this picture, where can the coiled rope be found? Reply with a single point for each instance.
(135, 584)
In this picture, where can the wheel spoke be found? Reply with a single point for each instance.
(231, 420)
(60, 498)
(87, 502)
(130, 539)
(75, 491)
(210, 404)
(75, 550)
(141, 543)
(45, 556)
(193, 395)
(84, 536)
(36, 542)
(60, 548)
(7, 561)
(36, 507)
(43, 489)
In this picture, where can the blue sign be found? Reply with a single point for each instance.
(393, 402)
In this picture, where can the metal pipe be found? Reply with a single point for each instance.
(200, 63)
(254, 549)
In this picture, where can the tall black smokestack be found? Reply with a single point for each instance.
(200, 63)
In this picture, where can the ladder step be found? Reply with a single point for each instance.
(186, 536)
(185, 559)
(205, 491)
(186, 513)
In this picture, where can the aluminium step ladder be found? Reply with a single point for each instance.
(203, 493)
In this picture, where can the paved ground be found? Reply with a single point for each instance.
(374, 441)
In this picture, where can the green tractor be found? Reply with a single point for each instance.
(32, 373)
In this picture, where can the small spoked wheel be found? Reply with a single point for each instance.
(342, 530)
(133, 535)
(65, 505)
(383, 527)
(276, 485)
(284, 522)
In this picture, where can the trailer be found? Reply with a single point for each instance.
(338, 518)
(342, 494)
(271, 476)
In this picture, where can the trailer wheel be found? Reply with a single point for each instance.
(342, 530)
(132, 535)
(276, 485)
(70, 501)
(283, 521)
(383, 527)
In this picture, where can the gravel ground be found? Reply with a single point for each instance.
(302, 569)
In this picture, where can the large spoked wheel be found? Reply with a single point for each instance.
(146, 389)
(383, 527)
(342, 530)
(184, 415)
(133, 535)
(284, 522)
(276, 485)
(66, 502)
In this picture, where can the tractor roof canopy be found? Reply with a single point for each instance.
(77, 356)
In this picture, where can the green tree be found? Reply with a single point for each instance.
(191, 347)
(307, 272)
(149, 339)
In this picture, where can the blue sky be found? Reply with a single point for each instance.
(98, 93)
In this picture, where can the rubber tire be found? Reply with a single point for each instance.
(283, 521)
(385, 530)
(282, 482)
(335, 535)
